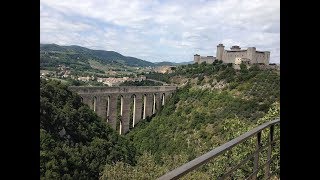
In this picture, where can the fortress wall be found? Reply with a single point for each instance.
(262, 57)
(208, 60)
(230, 56)
(106, 102)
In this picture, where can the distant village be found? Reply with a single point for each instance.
(64, 72)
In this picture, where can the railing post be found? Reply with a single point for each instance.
(256, 157)
(267, 172)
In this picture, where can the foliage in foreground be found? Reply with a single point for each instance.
(74, 142)
(148, 168)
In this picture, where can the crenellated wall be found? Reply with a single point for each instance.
(146, 100)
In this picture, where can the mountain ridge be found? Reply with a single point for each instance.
(86, 54)
(103, 56)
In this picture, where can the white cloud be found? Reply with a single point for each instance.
(162, 30)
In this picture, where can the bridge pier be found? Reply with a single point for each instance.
(101, 105)
(157, 102)
(86, 99)
(113, 110)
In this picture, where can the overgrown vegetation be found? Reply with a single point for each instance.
(215, 104)
(158, 76)
(195, 120)
(74, 142)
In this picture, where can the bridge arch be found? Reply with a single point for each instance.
(131, 110)
(163, 99)
(107, 108)
(144, 106)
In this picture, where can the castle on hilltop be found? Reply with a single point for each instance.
(236, 56)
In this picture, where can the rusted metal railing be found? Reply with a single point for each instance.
(184, 169)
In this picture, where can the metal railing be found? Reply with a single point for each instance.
(184, 169)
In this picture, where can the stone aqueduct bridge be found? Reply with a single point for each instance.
(147, 100)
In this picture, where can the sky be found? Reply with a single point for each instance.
(162, 30)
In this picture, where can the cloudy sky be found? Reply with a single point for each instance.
(162, 30)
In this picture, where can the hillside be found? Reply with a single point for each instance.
(213, 105)
(74, 142)
(52, 55)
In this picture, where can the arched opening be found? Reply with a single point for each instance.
(163, 99)
(121, 113)
(108, 108)
(144, 106)
(94, 103)
(132, 111)
(154, 104)
(118, 110)
(81, 99)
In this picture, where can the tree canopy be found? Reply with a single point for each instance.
(74, 142)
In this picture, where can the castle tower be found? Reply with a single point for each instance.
(251, 54)
(235, 48)
(220, 50)
(196, 58)
(267, 58)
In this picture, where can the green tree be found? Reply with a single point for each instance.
(74, 142)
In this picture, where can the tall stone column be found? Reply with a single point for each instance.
(158, 102)
(137, 109)
(113, 110)
(91, 102)
(167, 96)
(101, 106)
(125, 113)
(148, 105)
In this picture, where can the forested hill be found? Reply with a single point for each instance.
(51, 54)
(74, 142)
(214, 104)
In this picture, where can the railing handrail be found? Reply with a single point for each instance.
(191, 165)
